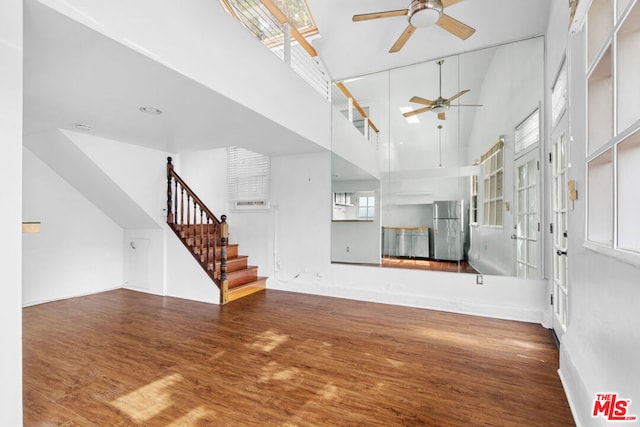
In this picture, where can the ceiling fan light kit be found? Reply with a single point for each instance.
(439, 105)
(421, 14)
(424, 13)
(439, 108)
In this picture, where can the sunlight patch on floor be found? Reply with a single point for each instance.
(194, 417)
(454, 338)
(395, 363)
(328, 392)
(268, 340)
(149, 400)
(275, 371)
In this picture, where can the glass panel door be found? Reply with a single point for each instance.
(527, 216)
(560, 226)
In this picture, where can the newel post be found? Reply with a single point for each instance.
(169, 194)
(224, 238)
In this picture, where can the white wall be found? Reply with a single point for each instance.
(302, 190)
(138, 171)
(348, 143)
(185, 278)
(59, 150)
(301, 193)
(599, 350)
(499, 296)
(512, 90)
(362, 238)
(186, 37)
(206, 173)
(10, 214)
(79, 249)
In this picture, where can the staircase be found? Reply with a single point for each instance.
(207, 239)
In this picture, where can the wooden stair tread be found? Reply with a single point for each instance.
(233, 264)
(242, 277)
(257, 285)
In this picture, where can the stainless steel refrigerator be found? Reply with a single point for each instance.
(449, 230)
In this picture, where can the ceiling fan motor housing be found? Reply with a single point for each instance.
(423, 13)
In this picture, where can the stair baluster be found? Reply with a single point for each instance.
(192, 226)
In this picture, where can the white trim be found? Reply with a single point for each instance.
(62, 298)
(570, 399)
(622, 255)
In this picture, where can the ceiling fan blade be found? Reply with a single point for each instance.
(378, 15)
(441, 116)
(455, 27)
(466, 105)
(423, 101)
(402, 39)
(418, 111)
(447, 3)
(457, 95)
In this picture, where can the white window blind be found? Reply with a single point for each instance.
(248, 177)
(528, 132)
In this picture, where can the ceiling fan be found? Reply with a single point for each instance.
(422, 13)
(440, 105)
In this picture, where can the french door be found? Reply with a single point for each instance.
(560, 288)
(527, 215)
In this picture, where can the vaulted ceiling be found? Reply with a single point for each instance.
(351, 49)
(71, 72)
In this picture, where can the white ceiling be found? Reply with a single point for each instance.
(75, 75)
(350, 49)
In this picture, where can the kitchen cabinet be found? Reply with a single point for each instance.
(412, 242)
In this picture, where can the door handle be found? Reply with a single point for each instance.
(559, 252)
(514, 237)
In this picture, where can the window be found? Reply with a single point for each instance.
(256, 18)
(248, 179)
(366, 207)
(493, 171)
(528, 132)
(473, 209)
(559, 94)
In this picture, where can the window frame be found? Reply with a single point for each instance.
(492, 163)
(606, 50)
(306, 31)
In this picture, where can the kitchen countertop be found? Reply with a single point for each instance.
(407, 228)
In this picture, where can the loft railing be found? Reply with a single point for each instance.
(267, 22)
(355, 113)
(270, 25)
(192, 221)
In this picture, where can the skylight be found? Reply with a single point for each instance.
(410, 119)
(255, 16)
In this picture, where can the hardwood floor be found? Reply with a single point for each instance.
(428, 264)
(123, 358)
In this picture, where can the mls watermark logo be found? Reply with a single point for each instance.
(612, 408)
